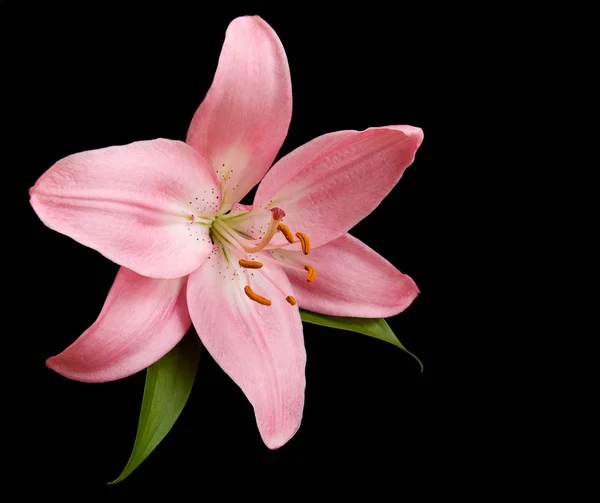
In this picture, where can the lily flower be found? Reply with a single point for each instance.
(168, 212)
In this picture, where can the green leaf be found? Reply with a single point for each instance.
(373, 327)
(169, 382)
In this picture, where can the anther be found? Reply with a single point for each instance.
(304, 241)
(255, 297)
(291, 300)
(312, 274)
(250, 264)
(285, 230)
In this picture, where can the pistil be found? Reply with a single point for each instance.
(276, 215)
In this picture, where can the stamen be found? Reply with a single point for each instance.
(289, 298)
(255, 297)
(304, 241)
(239, 244)
(285, 230)
(277, 215)
(312, 274)
(250, 264)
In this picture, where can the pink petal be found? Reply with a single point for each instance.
(141, 321)
(352, 280)
(241, 124)
(260, 347)
(133, 204)
(331, 183)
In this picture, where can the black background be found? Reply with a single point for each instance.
(85, 78)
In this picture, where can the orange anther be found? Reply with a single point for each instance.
(255, 297)
(285, 230)
(304, 241)
(312, 274)
(250, 264)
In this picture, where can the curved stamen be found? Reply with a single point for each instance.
(270, 257)
(312, 274)
(289, 298)
(285, 230)
(250, 264)
(255, 297)
(304, 241)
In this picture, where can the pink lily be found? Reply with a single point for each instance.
(168, 212)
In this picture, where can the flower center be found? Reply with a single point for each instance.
(239, 245)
